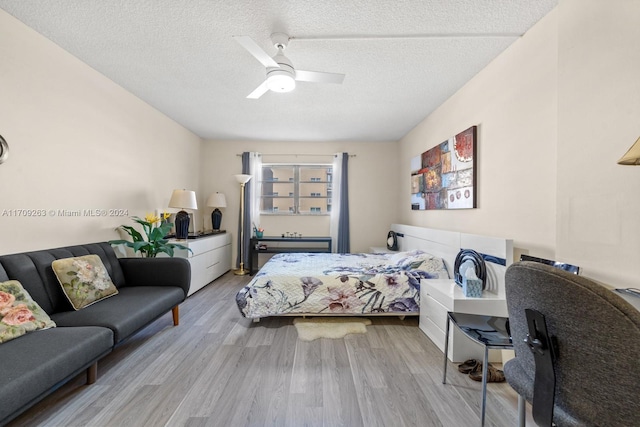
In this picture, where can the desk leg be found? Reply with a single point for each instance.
(253, 257)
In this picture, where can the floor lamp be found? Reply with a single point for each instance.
(242, 179)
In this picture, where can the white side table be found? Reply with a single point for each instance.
(439, 296)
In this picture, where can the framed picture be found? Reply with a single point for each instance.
(444, 177)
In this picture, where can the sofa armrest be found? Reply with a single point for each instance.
(157, 272)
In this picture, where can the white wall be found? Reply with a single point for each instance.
(373, 183)
(555, 112)
(599, 119)
(78, 141)
(513, 101)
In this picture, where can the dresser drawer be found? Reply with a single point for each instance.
(435, 312)
(435, 334)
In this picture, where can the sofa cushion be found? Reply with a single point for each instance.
(133, 308)
(33, 364)
(84, 280)
(19, 313)
(33, 270)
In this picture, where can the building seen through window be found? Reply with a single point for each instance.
(292, 189)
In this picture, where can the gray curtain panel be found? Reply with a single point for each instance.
(343, 218)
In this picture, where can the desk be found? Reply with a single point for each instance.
(285, 245)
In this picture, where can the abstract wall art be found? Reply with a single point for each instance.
(444, 177)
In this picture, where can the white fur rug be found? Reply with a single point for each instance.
(313, 328)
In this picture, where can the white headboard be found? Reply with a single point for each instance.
(497, 252)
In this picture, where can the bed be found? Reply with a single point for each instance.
(336, 284)
(367, 284)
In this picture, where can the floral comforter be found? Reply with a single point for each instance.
(320, 283)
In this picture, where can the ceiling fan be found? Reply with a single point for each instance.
(281, 76)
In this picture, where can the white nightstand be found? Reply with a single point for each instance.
(439, 296)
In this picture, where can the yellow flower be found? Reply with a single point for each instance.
(165, 215)
(151, 218)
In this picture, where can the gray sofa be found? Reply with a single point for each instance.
(35, 364)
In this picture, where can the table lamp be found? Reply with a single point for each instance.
(216, 200)
(183, 199)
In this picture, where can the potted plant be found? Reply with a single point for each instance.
(153, 242)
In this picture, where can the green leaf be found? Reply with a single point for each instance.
(135, 235)
(141, 246)
(121, 242)
(156, 234)
(179, 246)
(167, 250)
(165, 228)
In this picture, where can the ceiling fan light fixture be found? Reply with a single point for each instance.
(280, 81)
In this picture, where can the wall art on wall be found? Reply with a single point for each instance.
(444, 177)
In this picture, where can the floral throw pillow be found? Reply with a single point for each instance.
(19, 313)
(84, 280)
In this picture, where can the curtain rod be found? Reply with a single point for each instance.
(296, 155)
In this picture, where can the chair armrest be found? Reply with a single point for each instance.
(157, 272)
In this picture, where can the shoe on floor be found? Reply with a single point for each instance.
(494, 375)
(468, 366)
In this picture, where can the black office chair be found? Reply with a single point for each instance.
(596, 337)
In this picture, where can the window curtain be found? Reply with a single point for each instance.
(251, 165)
(339, 228)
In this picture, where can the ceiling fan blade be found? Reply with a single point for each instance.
(259, 91)
(255, 50)
(319, 77)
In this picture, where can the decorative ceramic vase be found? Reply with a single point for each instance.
(182, 225)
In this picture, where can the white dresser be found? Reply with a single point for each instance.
(439, 296)
(210, 258)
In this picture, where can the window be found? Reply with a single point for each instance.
(295, 189)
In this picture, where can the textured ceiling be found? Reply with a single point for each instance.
(180, 57)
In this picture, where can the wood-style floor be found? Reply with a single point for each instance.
(219, 369)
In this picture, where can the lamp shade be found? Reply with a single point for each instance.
(183, 199)
(632, 156)
(217, 200)
(243, 179)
